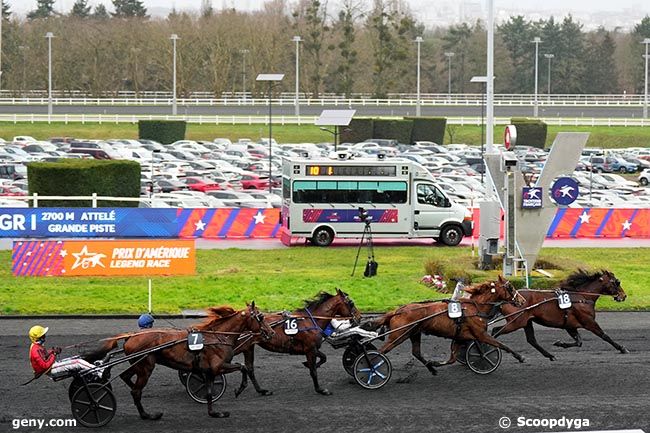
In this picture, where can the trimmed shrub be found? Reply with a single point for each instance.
(83, 177)
(359, 130)
(162, 131)
(399, 130)
(428, 129)
(530, 132)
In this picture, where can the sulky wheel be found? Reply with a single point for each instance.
(372, 369)
(78, 382)
(93, 405)
(197, 389)
(482, 358)
(351, 354)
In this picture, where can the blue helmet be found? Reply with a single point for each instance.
(145, 321)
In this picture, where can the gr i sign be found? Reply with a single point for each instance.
(565, 191)
(531, 198)
(510, 137)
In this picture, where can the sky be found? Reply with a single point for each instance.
(22, 6)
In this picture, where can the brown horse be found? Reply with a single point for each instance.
(311, 322)
(431, 318)
(220, 331)
(584, 289)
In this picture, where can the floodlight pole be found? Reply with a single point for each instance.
(297, 40)
(449, 55)
(536, 41)
(174, 37)
(2, 18)
(646, 41)
(48, 36)
(489, 128)
(549, 57)
(418, 108)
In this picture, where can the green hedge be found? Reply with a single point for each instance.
(530, 132)
(428, 129)
(359, 130)
(399, 130)
(162, 131)
(72, 177)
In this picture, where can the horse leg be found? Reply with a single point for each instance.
(208, 378)
(592, 326)
(322, 358)
(453, 356)
(482, 336)
(226, 368)
(143, 372)
(530, 337)
(311, 364)
(577, 340)
(416, 350)
(249, 362)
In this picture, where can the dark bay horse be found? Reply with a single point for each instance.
(542, 307)
(431, 318)
(220, 331)
(311, 321)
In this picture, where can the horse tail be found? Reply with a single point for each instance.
(374, 324)
(107, 345)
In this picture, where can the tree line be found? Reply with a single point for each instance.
(350, 50)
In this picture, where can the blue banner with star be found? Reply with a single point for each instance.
(137, 223)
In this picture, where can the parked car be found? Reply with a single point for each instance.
(644, 177)
(166, 185)
(200, 184)
(254, 181)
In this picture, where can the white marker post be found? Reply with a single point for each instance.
(149, 295)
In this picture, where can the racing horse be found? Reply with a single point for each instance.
(310, 323)
(583, 289)
(220, 331)
(431, 318)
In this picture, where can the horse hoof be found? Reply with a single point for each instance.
(558, 344)
(625, 351)
(265, 392)
(521, 359)
(437, 364)
(239, 391)
(151, 417)
(324, 391)
(219, 414)
(551, 358)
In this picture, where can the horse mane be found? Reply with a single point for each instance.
(579, 278)
(479, 288)
(317, 300)
(215, 314)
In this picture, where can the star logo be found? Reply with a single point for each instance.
(584, 218)
(200, 225)
(86, 259)
(259, 218)
(627, 225)
(63, 253)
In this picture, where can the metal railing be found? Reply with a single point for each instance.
(287, 99)
(292, 120)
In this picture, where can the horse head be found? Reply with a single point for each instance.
(347, 307)
(339, 305)
(612, 286)
(495, 291)
(256, 321)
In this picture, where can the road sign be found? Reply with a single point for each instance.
(510, 137)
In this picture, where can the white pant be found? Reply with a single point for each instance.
(70, 365)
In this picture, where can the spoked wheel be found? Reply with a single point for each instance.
(482, 358)
(78, 383)
(351, 354)
(93, 405)
(372, 369)
(461, 356)
(197, 388)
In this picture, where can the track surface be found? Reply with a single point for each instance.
(593, 382)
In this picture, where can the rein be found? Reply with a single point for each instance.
(567, 291)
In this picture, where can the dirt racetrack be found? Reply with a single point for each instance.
(594, 382)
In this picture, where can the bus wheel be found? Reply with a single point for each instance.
(323, 236)
(451, 235)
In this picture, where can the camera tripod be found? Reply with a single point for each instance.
(371, 265)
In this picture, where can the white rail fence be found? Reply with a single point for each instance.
(291, 120)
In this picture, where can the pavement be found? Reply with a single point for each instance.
(593, 384)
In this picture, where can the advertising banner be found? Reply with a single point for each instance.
(103, 258)
(138, 223)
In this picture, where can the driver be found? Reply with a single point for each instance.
(44, 361)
